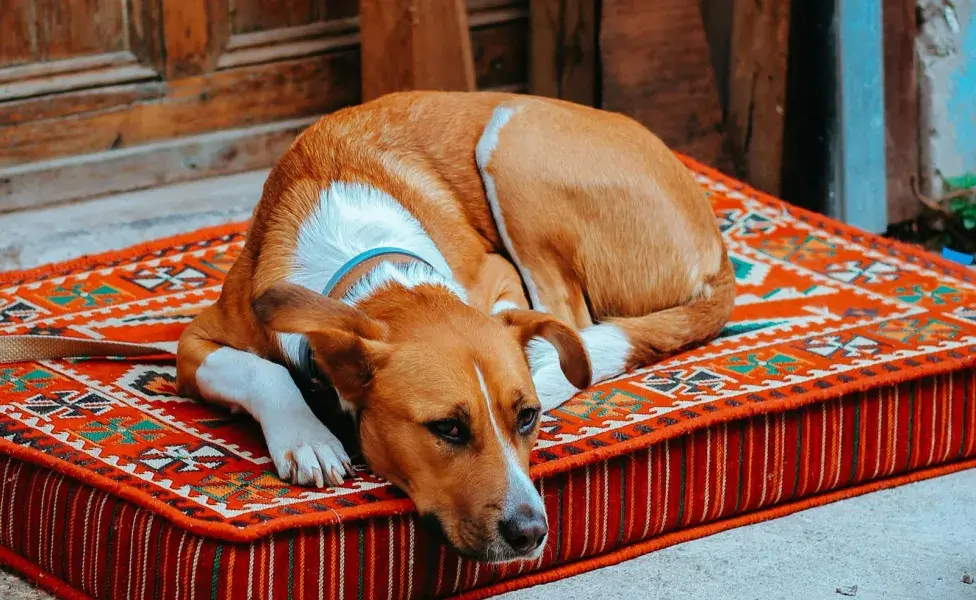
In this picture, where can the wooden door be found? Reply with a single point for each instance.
(100, 96)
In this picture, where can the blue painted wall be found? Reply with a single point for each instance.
(858, 193)
(961, 100)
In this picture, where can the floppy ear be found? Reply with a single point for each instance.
(573, 359)
(347, 345)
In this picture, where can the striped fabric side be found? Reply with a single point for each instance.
(108, 548)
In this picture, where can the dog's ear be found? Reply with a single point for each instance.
(573, 360)
(290, 308)
(347, 345)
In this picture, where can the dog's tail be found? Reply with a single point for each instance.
(660, 334)
(626, 343)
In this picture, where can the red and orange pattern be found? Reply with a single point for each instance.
(849, 364)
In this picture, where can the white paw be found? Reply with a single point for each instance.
(552, 387)
(550, 382)
(305, 452)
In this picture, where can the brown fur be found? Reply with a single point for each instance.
(633, 242)
(374, 354)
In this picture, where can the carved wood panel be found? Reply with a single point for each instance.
(51, 46)
(140, 77)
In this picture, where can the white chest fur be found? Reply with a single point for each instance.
(352, 219)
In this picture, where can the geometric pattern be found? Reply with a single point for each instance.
(169, 278)
(182, 458)
(821, 309)
(67, 404)
(18, 311)
(150, 381)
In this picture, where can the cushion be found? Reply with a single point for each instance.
(848, 366)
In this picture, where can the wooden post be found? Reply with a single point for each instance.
(563, 57)
(757, 90)
(413, 45)
(901, 107)
(656, 68)
(195, 33)
(857, 136)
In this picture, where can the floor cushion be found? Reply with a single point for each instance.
(849, 366)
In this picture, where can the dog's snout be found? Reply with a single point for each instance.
(525, 530)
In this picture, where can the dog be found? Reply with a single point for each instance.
(453, 264)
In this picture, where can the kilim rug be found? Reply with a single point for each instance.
(849, 366)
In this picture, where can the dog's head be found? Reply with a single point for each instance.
(445, 402)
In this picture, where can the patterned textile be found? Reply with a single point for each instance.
(848, 365)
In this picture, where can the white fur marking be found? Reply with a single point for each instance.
(353, 218)
(482, 153)
(520, 488)
(503, 305)
(295, 348)
(608, 348)
(302, 448)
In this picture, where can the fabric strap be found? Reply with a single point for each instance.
(22, 348)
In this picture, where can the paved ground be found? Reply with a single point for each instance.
(916, 542)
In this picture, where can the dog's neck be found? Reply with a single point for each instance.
(351, 220)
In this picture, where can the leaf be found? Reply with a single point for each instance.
(962, 182)
(969, 222)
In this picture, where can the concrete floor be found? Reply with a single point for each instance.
(916, 542)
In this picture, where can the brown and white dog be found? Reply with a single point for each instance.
(453, 264)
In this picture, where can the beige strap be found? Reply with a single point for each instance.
(22, 348)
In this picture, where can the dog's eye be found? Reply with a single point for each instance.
(452, 430)
(526, 419)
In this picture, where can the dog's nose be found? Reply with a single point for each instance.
(525, 530)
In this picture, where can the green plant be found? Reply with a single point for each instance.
(961, 207)
(965, 209)
(949, 221)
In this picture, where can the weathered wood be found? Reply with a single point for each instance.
(162, 163)
(291, 42)
(50, 47)
(145, 31)
(18, 44)
(66, 29)
(77, 103)
(195, 34)
(415, 44)
(268, 15)
(717, 19)
(757, 90)
(194, 105)
(106, 129)
(501, 53)
(39, 78)
(128, 115)
(656, 68)
(327, 36)
(901, 107)
(563, 50)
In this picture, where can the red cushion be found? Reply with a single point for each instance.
(848, 366)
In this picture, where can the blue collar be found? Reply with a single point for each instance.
(362, 257)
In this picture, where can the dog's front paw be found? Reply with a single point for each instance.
(305, 452)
